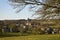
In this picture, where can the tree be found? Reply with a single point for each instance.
(46, 9)
(11, 26)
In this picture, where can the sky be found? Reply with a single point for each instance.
(8, 13)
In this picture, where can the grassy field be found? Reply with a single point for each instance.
(33, 37)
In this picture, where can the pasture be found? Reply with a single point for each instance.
(33, 37)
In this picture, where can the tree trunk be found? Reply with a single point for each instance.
(2, 30)
(10, 29)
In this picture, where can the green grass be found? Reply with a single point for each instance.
(33, 37)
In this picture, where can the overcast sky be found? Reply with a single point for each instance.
(7, 12)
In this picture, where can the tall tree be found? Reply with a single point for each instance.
(46, 9)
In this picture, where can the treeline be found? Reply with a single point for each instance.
(31, 27)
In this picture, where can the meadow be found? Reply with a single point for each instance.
(32, 37)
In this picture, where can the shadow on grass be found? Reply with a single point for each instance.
(11, 35)
(1, 36)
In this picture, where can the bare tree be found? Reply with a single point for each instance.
(46, 9)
